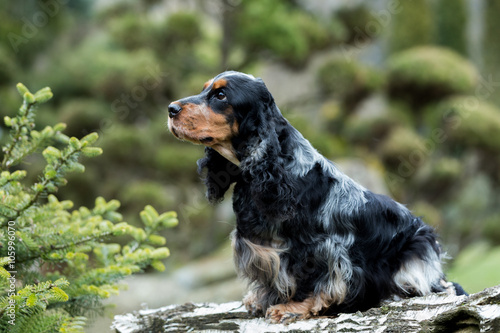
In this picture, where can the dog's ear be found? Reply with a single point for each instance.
(217, 173)
(263, 164)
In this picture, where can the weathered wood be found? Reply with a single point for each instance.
(434, 313)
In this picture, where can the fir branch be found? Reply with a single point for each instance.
(16, 135)
(48, 233)
(41, 187)
(46, 250)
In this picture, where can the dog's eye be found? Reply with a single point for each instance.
(220, 95)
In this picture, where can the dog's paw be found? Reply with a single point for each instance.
(283, 314)
(252, 305)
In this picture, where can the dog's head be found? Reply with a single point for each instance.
(216, 117)
(236, 118)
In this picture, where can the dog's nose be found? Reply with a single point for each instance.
(174, 109)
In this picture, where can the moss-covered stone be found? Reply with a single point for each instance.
(424, 74)
(348, 80)
(468, 121)
(438, 175)
(447, 169)
(371, 129)
(400, 144)
(367, 132)
(355, 20)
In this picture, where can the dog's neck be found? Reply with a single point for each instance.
(227, 151)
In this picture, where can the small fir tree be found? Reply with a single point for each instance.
(58, 264)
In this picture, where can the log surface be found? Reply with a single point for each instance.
(433, 313)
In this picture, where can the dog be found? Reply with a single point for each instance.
(308, 239)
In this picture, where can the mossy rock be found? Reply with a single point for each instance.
(348, 80)
(403, 144)
(367, 132)
(468, 121)
(447, 169)
(425, 74)
(436, 177)
(355, 20)
(371, 131)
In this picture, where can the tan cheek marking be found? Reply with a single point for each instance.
(219, 127)
(235, 128)
(190, 121)
(202, 121)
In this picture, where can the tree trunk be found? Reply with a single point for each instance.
(434, 313)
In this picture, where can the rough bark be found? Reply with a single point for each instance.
(434, 313)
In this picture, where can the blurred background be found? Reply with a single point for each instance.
(404, 95)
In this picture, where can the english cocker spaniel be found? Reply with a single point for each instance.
(308, 239)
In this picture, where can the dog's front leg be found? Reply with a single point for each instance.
(291, 311)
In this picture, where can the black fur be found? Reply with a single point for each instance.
(304, 229)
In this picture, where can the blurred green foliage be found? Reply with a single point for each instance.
(58, 265)
(477, 267)
(424, 74)
(470, 122)
(348, 80)
(452, 21)
(424, 115)
(414, 25)
(283, 31)
(491, 41)
(355, 19)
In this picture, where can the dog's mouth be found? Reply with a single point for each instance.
(206, 140)
(184, 135)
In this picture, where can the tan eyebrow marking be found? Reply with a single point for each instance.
(221, 83)
(207, 84)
